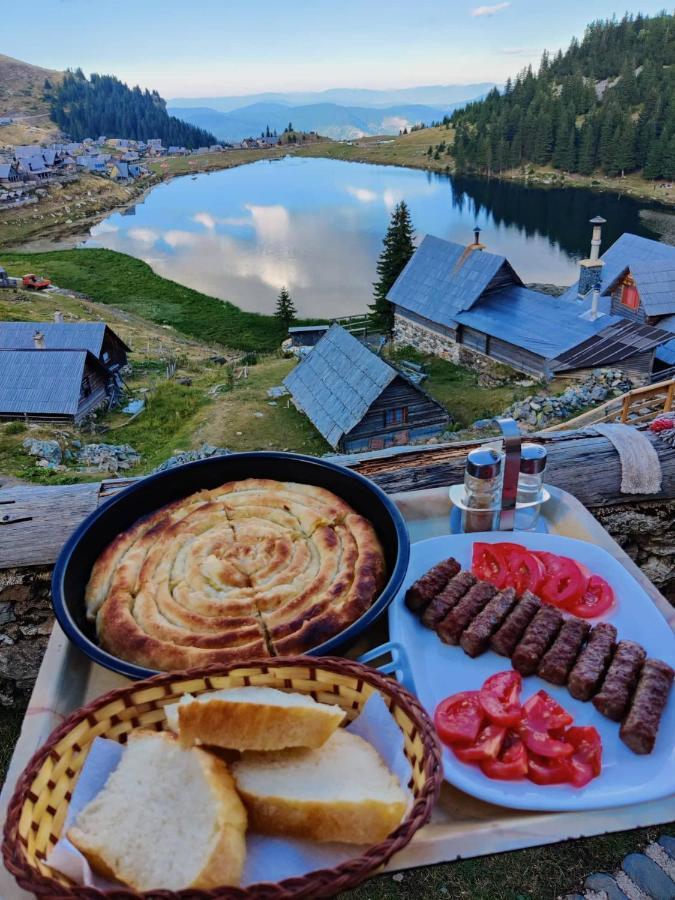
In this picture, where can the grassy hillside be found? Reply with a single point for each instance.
(405, 150)
(22, 90)
(131, 285)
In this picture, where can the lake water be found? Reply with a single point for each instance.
(317, 225)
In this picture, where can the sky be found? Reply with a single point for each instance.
(213, 48)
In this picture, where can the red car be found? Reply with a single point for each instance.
(35, 282)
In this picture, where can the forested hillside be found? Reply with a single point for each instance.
(606, 104)
(103, 105)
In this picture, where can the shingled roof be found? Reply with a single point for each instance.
(655, 281)
(42, 382)
(337, 382)
(443, 279)
(58, 335)
(622, 339)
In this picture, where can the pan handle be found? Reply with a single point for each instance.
(397, 664)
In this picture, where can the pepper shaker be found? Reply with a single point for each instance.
(530, 483)
(482, 489)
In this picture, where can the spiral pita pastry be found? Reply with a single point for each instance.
(251, 568)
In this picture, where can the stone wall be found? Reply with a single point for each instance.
(413, 334)
(646, 531)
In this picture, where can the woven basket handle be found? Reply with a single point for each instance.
(394, 662)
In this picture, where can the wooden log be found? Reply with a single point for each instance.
(580, 462)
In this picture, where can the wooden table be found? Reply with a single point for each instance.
(461, 826)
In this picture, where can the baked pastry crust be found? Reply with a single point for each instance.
(251, 568)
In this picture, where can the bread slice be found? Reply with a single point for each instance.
(167, 818)
(253, 718)
(341, 792)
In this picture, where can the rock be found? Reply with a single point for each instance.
(259, 415)
(483, 423)
(76, 444)
(185, 380)
(206, 451)
(49, 452)
(649, 877)
(218, 360)
(108, 457)
(600, 881)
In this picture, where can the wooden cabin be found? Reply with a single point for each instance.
(53, 385)
(96, 337)
(357, 400)
(306, 335)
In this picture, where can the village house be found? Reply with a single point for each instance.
(177, 151)
(9, 174)
(469, 306)
(56, 385)
(96, 338)
(306, 335)
(93, 163)
(357, 401)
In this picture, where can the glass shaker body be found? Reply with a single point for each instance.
(530, 483)
(482, 490)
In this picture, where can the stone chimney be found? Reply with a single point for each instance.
(590, 270)
(58, 316)
(39, 340)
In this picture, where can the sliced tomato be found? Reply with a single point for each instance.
(597, 598)
(511, 764)
(500, 698)
(585, 763)
(543, 713)
(526, 572)
(547, 770)
(544, 744)
(458, 718)
(564, 582)
(488, 564)
(487, 745)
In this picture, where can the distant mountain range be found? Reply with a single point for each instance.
(439, 95)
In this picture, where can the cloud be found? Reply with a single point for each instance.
(364, 195)
(488, 10)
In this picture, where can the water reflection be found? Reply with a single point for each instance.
(317, 225)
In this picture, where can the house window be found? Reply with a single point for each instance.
(396, 416)
(629, 295)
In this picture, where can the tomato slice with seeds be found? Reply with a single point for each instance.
(500, 698)
(511, 764)
(547, 770)
(489, 564)
(564, 583)
(487, 745)
(597, 598)
(526, 572)
(585, 763)
(458, 718)
(543, 713)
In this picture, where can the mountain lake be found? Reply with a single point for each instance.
(316, 226)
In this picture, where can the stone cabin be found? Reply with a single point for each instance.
(469, 306)
(357, 401)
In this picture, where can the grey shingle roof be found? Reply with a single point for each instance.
(537, 322)
(622, 339)
(58, 335)
(629, 250)
(442, 279)
(655, 281)
(337, 382)
(41, 382)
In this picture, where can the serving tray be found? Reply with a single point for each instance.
(461, 825)
(439, 670)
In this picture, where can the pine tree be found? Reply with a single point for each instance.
(285, 310)
(398, 247)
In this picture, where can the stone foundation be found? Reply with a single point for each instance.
(490, 373)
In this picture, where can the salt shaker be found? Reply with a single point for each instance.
(482, 489)
(530, 483)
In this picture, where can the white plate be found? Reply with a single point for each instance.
(440, 670)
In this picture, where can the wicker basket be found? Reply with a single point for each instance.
(37, 810)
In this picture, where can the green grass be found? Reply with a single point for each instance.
(458, 389)
(130, 284)
(541, 873)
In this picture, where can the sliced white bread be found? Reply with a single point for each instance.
(340, 792)
(253, 718)
(167, 818)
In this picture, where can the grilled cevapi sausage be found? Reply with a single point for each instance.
(638, 731)
(476, 638)
(420, 594)
(538, 637)
(505, 640)
(452, 626)
(589, 670)
(622, 676)
(448, 598)
(561, 655)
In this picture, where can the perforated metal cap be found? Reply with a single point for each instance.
(484, 462)
(532, 459)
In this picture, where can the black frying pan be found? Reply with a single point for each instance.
(75, 561)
